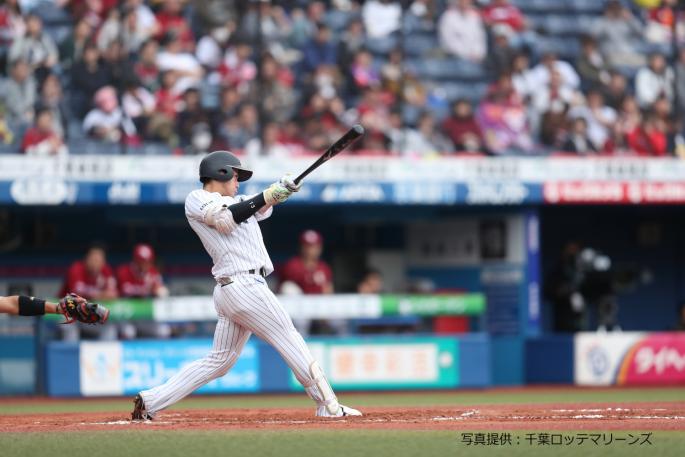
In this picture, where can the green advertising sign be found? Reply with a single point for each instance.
(123, 310)
(433, 305)
(387, 363)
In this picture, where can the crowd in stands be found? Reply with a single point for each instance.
(281, 77)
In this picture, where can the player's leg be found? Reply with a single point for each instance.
(256, 308)
(229, 340)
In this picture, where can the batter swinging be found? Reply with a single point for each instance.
(228, 228)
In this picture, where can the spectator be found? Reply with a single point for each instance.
(35, 47)
(52, 98)
(653, 81)
(138, 104)
(461, 31)
(211, 48)
(170, 21)
(599, 118)
(19, 93)
(660, 21)
(649, 139)
(117, 64)
(140, 278)
(392, 73)
(132, 32)
(502, 12)
(616, 90)
(92, 277)
(168, 104)
(145, 67)
(238, 68)
(629, 116)
(184, 64)
(351, 42)
(88, 75)
(106, 122)
(461, 127)
(274, 91)
(110, 30)
(577, 140)
(381, 17)
(12, 24)
(501, 117)
(425, 140)
(553, 97)
(146, 22)
(191, 114)
(71, 49)
(539, 75)
(229, 104)
(521, 76)
(680, 81)
(238, 130)
(501, 55)
(320, 50)
(371, 282)
(363, 72)
(41, 139)
(270, 146)
(592, 68)
(619, 33)
(422, 15)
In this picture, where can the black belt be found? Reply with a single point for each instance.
(261, 272)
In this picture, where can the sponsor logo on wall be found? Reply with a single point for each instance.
(630, 358)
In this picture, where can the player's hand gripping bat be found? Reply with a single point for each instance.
(346, 140)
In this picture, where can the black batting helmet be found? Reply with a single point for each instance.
(221, 165)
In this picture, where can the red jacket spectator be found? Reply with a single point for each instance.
(171, 20)
(308, 271)
(648, 140)
(501, 12)
(140, 278)
(91, 278)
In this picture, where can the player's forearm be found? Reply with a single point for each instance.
(27, 306)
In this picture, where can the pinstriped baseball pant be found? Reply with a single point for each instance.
(243, 307)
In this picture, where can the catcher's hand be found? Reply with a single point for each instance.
(76, 308)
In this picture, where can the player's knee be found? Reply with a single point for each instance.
(220, 366)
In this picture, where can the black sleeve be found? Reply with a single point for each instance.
(245, 209)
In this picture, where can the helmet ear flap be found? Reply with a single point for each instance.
(227, 172)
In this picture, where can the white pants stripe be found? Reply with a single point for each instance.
(244, 307)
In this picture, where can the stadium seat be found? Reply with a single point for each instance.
(337, 20)
(455, 90)
(382, 45)
(566, 48)
(420, 43)
(447, 69)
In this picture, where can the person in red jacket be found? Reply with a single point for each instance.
(140, 278)
(461, 127)
(649, 139)
(92, 278)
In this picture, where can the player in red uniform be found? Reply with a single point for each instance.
(308, 271)
(140, 278)
(92, 277)
(308, 274)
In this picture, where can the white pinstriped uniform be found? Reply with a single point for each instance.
(244, 306)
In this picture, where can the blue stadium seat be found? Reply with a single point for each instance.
(447, 69)
(337, 20)
(472, 92)
(566, 48)
(382, 45)
(420, 43)
(587, 6)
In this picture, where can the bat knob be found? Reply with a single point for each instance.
(358, 129)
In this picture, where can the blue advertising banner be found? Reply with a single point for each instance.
(38, 191)
(150, 363)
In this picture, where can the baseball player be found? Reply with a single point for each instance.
(72, 307)
(227, 225)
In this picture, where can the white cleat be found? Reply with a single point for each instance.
(343, 411)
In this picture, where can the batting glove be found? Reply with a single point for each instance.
(276, 193)
(288, 182)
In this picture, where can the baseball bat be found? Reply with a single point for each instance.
(346, 140)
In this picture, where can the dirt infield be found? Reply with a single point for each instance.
(565, 416)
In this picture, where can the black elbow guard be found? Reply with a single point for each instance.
(31, 306)
(244, 210)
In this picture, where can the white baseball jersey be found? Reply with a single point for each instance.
(236, 252)
(244, 306)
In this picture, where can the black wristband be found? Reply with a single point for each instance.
(31, 306)
(244, 210)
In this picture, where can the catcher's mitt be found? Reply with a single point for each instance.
(76, 308)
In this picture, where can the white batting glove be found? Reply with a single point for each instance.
(276, 193)
(288, 182)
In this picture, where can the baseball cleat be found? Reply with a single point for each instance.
(139, 412)
(343, 411)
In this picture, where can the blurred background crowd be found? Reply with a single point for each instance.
(280, 77)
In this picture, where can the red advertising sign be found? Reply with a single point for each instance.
(658, 358)
(614, 192)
